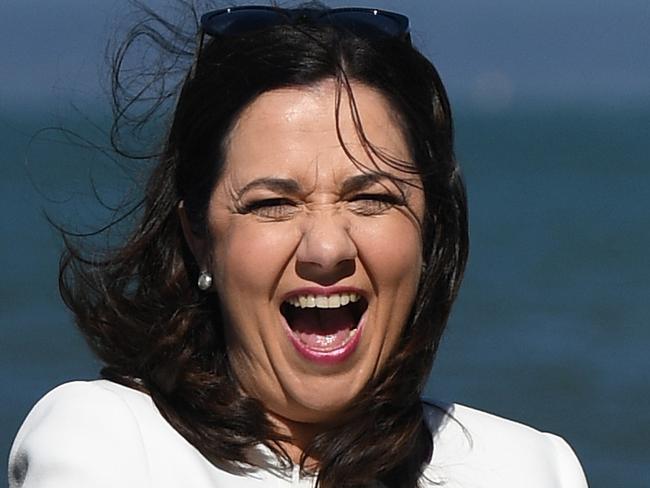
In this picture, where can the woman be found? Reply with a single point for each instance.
(275, 313)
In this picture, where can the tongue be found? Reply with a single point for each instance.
(324, 329)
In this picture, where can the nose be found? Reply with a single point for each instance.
(326, 252)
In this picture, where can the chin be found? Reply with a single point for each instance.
(329, 407)
(325, 398)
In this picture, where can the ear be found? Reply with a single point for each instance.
(198, 245)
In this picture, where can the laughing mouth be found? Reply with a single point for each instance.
(324, 323)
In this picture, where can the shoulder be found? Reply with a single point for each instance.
(475, 448)
(82, 434)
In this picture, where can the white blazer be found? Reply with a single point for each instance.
(99, 434)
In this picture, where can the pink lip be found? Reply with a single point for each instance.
(335, 356)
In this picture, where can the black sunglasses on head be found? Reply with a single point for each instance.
(362, 21)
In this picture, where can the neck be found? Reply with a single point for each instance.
(301, 435)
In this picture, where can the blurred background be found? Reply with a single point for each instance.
(552, 112)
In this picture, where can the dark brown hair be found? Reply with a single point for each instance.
(138, 305)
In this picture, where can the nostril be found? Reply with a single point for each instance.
(325, 275)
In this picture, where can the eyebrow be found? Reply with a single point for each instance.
(350, 185)
(280, 185)
(364, 181)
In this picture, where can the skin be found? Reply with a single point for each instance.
(265, 241)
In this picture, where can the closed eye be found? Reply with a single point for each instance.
(374, 203)
(271, 208)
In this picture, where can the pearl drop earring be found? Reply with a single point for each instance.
(205, 281)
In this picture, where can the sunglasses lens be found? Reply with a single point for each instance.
(234, 22)
(369, 22)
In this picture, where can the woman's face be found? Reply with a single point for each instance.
(315, 261)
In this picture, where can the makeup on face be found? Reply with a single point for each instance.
(315, 249)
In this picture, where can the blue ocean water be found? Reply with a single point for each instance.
(551, 327)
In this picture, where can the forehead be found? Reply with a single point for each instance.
(300, 132)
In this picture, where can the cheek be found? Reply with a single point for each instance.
(250, 257)
(391, 249)
(248, 261)
(392, 254)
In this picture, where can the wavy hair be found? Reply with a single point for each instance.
(137, 303)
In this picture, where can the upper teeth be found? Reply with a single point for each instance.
(323, 301)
